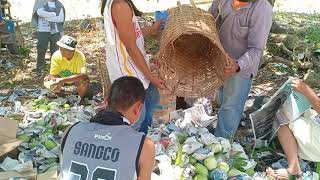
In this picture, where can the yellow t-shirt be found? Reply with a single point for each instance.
(61, 66)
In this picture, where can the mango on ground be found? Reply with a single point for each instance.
(210, 163)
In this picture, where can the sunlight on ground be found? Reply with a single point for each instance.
(79, 9)
(305, 6)
(266, 87)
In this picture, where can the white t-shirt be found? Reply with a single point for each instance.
(118, 61)
(45, 17)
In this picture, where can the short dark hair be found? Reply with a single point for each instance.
(124, 92)
(131, 4)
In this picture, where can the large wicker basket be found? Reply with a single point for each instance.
(191, 57)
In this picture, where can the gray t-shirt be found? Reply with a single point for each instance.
(95, 151)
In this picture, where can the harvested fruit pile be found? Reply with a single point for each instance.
(41, 127)
(186, 151)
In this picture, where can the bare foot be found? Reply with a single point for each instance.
(282, 174)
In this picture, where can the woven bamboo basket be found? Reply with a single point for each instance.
(191, 57)
(103, 74)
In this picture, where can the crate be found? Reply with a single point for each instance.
(10, 26)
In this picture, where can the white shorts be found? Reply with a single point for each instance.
(306, 130)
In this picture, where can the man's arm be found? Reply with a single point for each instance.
(122, 16)
(53, 76)
(57, 19)
(44, 14)
(74, 78)
(147, 160)
(151, 30)
(259, 29)
(214, 8)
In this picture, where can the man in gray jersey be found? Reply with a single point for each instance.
(107, 148)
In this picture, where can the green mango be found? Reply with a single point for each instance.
(210, 163)
(47, 134)
(33, 145)
(192, 160)
(250, 172)
(49, 144)
(44, 107)
(25, 138)
(66, 106)
(39, 101)
(41, 122)
(234, 172)
(201, 169)
(201, 177)
(52, 105)
(224, 166)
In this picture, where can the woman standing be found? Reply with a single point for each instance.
(126, 55)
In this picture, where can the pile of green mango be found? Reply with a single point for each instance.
(43, 104)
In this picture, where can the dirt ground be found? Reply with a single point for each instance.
(91, 42)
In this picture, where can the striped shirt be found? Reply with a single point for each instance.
(118, 61)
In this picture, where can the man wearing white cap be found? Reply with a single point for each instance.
(68, 67)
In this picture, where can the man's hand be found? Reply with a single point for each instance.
(231, 68)
(56, 85)
(57, 82)
(301, 87)
(159, 83)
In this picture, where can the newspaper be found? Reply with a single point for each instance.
(283, 107)
(198, 116)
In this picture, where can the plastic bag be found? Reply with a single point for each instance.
(43, 152)
(155, 136)
(14, 165)
(172, 150)
(172, 127)
(236, 147)
(178, 136)
(202, 130)
(202, 153)
(225, 144)
(159, 149)
(9, 164)
(189, 171)
(191, 145)
(207, 138)
(192, 131)
(218, 174)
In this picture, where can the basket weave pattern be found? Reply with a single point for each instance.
(191, 57)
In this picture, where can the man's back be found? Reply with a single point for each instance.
(105, 151)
